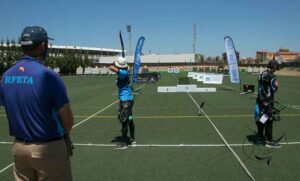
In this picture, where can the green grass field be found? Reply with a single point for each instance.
(173, 142)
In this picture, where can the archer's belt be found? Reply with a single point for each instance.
(43, 141)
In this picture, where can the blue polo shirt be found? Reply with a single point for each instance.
(123, 83)
(32, 95)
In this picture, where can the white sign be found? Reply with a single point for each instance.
(95, 71)
(79, 71)
(263, 118)
(261, 69)
(191, 74)
(57, 70)
(103, 71)
(195, 76)
(176, 70)
(167, 89)
(185, 88)
(173, 70)
(250, 69)
(255, 70)
(170, 70)
(201, 77)
(213, 79)
(88, 71)
(208, 78)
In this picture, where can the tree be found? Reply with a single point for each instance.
(67, 60)
(199, 57)
(218, 59)
(2, 58)
(10, 54)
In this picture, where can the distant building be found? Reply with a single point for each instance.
(264, 55)
(286, 55)
(95, 54)
(282, 54)
(154, 59)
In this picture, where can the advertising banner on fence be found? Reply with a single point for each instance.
(213, 79)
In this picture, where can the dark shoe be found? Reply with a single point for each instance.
(121, 146)
(273, 144)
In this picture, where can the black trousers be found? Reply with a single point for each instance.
(125, 118)
(265, 130)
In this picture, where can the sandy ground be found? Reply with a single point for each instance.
(289, 72)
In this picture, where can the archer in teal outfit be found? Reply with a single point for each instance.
(126, 102)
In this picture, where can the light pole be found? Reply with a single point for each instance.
(194, 38)
(128, 28)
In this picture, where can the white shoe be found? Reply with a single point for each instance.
(273, 144)
(132, 142)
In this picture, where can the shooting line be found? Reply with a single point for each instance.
(222, 137)
(2, 109)
(10, 165)
(165, 145)
(95, 114)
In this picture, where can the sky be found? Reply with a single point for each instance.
(167, 25)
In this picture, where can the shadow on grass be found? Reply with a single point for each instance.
(119, 139)
(254, 138)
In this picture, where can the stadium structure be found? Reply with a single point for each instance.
(102, 56)
(108, 56)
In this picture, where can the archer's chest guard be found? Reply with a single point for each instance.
(123, 82)
(266, 87)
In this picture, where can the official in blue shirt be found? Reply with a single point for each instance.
(38, 112)
(126, 102)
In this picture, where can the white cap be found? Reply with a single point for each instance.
(121, 62)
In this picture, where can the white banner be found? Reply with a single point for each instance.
(232, 60)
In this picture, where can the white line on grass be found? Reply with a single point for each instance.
(295, 107)
(230, 88)
(100, 111)
(224, 140)
(95, 114)
(6, 168)
(165, 145)
(2, 109)
(177, 145)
